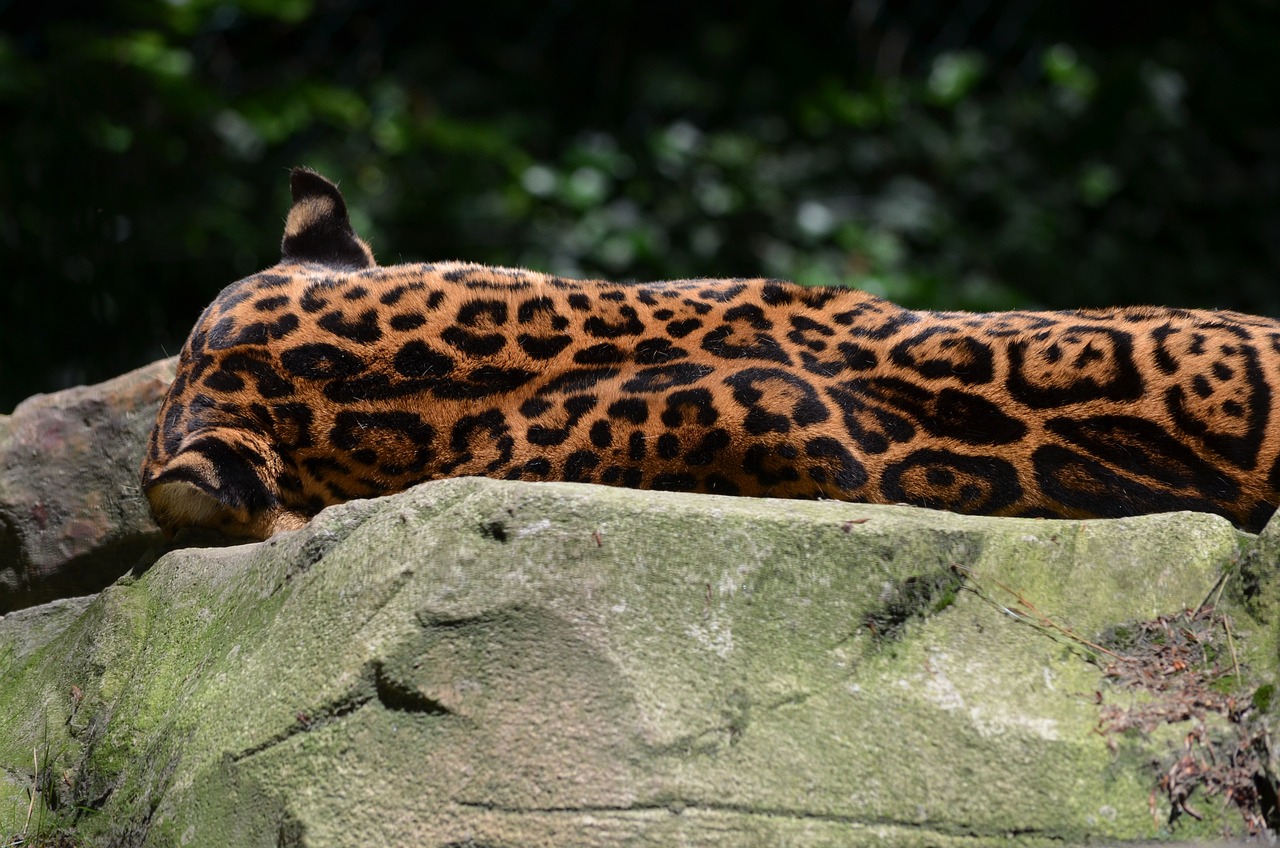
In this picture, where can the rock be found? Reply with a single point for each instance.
(27, 630)
(72, 517)
(500, 663)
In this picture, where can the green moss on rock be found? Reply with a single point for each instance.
(523, 664)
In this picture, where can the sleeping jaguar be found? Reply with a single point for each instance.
(328, 377)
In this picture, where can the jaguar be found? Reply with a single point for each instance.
(328, 377)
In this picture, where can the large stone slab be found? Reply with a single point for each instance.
(72, 515)
(496, 663)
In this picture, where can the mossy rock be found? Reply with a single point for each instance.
(500, 663)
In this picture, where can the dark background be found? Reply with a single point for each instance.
(980, 154)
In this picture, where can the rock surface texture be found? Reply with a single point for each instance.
(476, 662)
(72, 518)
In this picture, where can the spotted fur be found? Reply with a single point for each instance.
(328, 377)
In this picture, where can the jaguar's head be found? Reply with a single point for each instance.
(210, 464)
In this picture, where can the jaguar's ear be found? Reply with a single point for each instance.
(318, 229)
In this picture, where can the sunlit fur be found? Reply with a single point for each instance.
(328, 377)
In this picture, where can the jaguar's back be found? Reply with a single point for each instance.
(328, 377)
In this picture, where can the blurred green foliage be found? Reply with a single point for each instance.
(974, 154)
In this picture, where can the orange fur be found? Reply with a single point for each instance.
(328, 377)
